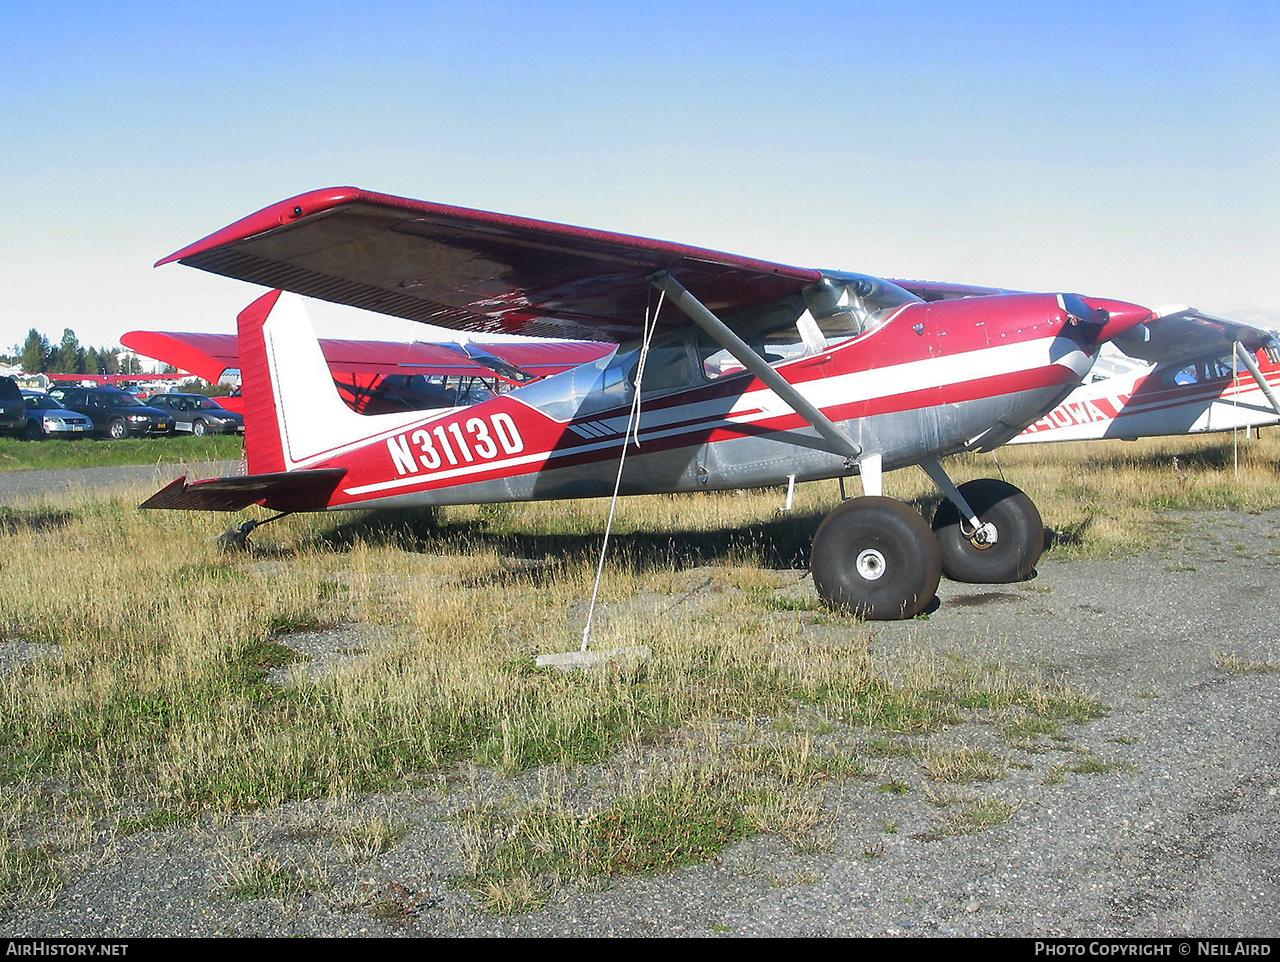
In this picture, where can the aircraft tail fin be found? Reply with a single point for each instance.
(293, 413)
(263, 445)
(297, 427)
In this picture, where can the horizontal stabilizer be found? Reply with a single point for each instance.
(285, 491)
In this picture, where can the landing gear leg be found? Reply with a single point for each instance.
(876, 557)
(237, 538)
(1003, 548)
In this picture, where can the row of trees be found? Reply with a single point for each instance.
(39, 355)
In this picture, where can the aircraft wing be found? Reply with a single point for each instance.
(204, 355)
(544, 358)
(473, 270)
(1185, 332)
(945, 291)
(209, 355)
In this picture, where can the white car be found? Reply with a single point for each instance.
(47, 418)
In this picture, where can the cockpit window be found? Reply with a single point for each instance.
(774, 334)
(848, 305)
(837, 308)
(667, 366)
(1205, 369)
(1225, 366)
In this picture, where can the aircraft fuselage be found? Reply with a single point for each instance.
(930, 380)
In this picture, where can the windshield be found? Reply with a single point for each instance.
(846, 305)
(121, 399)
(41, 402)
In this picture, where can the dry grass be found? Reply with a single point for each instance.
(153, 702)
(970, 815)
(1235, 665)
(1110, 497)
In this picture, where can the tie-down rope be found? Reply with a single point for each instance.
(632, 435)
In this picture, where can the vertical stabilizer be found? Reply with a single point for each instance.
(294, 417)
(263, 448)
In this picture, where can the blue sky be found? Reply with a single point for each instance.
(1128, 150)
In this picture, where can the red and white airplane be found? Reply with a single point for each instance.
(729, 372)
(1229, 382)
(1126, 396)
(375, 377)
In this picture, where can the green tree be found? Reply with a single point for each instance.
(69, 357)
(107, 361)
(35, 353)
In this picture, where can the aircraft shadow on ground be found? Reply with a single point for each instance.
(781, 542)
(37, 519)
(1217, 457)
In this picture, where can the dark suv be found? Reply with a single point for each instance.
(113, 412)
(13, 410)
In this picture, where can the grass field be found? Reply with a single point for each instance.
(152, 682)
(58, 454)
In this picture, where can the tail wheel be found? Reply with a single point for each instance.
(877, 558)
(1016, 547)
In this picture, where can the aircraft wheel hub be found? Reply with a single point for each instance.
(983, 537)
(870, 564)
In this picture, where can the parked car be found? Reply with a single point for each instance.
(114, 413)
(13, 413)
(47, 418)
(198, 414)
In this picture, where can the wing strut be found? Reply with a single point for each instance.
(1247, 359)
(757, 365)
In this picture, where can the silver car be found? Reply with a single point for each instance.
(197, 414)
(47, 418)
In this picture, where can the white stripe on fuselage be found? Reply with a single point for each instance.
(762, 404)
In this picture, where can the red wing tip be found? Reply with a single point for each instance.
(270, 217)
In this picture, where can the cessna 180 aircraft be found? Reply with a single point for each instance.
(728, 372)
(1124, 397)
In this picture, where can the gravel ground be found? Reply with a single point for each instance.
(1177, 838)
(18, 486)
